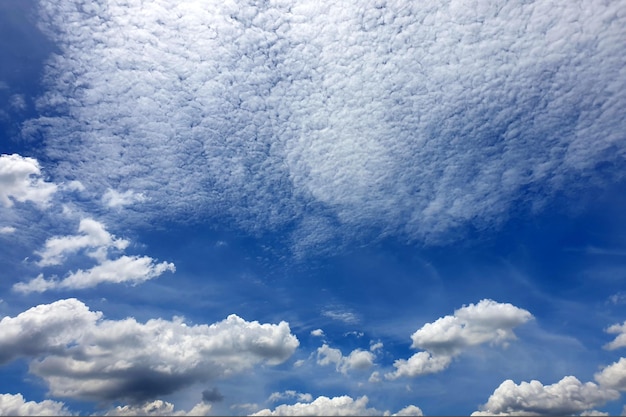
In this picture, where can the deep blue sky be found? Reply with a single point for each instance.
(319, 208)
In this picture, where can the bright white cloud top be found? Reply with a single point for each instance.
(21, 181)
(336, 406)
(15, 405)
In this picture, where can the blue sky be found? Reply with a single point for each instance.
(287, 208)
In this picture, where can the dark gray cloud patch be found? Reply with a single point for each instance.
(415, 118)
(212, 395)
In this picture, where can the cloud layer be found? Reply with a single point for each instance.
(81, 355)
(412, 119)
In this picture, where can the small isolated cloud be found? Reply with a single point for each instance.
(158, 408)
(485, 322)
(15, 405)
(620, 339)
(115, 199)
(7, 230)
(97, 243)
(21, 181)
(374, 346)
(344, 316)
(337, 406)
(290, 394)
(81, 355)
(375, 377)
(567, 397)
(212, 395)
(358, 359)
(317, 333)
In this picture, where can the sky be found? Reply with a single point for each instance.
(272, 207)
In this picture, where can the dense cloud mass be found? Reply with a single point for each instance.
(15, 405)
(567, 397)
(413, 119)
(81, 355)
(21, 180)
(445, 338)
(336, 406)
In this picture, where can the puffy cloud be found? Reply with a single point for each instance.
(115, 199)
(567, 397)
(158, 408)
(20, 180)
(81, 355)
(620, 339)
(336, 406)
(97, 242)
(357, 359)
(93, 235)
(418, 118)
(613, 376)
(303, 397)
(15, 405)
(485, 322)
(317, 333)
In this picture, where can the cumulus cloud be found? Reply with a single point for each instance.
(15, 405)
(158, 408)
(97, 243)
(358, 359)
(336, 406)
(21, 181)
(567, 397)
(620, 339)
(613, 376)
(485, 322)
(418, 119)
(289, 394)
(317, 333)
(115, 199)
(81, 355)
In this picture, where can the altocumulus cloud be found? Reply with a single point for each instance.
(415, 119)
(81, 355)
(484, 322)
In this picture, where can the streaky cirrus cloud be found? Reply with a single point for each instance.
(484, 322)
(569, 396)
(21, 180)
(81, 355)
(411, 119)
(336, 406)
(16, 405)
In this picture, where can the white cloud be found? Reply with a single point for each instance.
(81, 355)
(336, 406)
(93, 235)
(317, 333)
(613, 376)
(7, 230)
(20, 180)
(158, 408)
(374, 377)
(620, 339)
(485, 322)
(288, 394)
(342, 315)
(418, 118)
(374, 346)
(15, 405)
(358, 359)
(115, 199)
(567, 397)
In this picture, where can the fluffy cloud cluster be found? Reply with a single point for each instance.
(81, 355)
(358, 359)
(21, 181)
(567, 397)
(158, 408)
(336, 406)
(97, 243)
(416, 119)
(620, 339)
(15, 405)
(485, 322)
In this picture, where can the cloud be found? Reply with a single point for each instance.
(212, 395)
(302, 397)
(21, 181)
(93, 235)
(15, 405)
(97, 242)
(613, 376)
(7, 230)
(115, 199)
(620, 339)
(336, 406)
(158, 408)
(567, 397)
(416, 120)
(81, 355)
(358, 359)
(347, 317)
(485, 322)
(317, 333)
